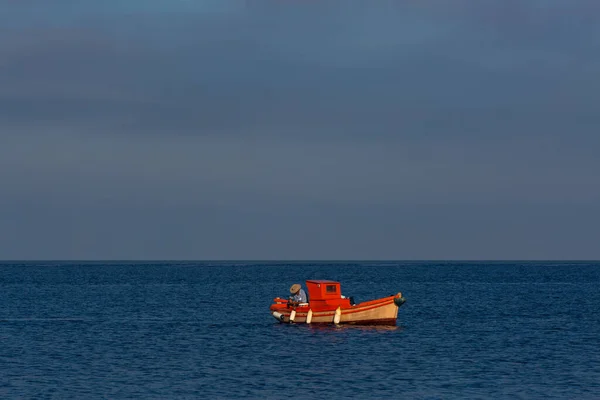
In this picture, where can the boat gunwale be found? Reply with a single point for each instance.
(361, 307)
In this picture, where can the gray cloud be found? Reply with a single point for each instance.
(354, 130)
(320, 67)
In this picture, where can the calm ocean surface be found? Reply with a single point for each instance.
(203, 330)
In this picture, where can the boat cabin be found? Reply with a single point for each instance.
(325, 294)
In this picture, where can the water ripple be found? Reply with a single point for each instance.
(184, 330)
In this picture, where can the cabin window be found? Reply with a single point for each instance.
(330, 289)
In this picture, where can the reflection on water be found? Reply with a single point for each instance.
(366, 328)
(340, 327)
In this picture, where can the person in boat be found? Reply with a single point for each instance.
(298, 294)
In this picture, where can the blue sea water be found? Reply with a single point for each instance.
(203, 330)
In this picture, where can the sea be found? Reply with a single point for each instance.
(202, 330)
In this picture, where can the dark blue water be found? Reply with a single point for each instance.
(203, 330)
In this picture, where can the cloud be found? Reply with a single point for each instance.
(319, 67)
(316, 123)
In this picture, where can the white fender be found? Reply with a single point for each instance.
(292, 316)
(278, 316)
(337, 316)
(309, 316)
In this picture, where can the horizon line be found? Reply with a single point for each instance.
(295, 260)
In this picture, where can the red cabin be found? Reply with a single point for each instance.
(323, 294)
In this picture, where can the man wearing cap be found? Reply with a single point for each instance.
(298, 294)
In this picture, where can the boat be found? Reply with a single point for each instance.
(326, 305)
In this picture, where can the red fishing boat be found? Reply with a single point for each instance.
(327, 305)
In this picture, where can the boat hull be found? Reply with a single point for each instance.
(376, 312)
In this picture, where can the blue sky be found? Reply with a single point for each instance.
(299, 130)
